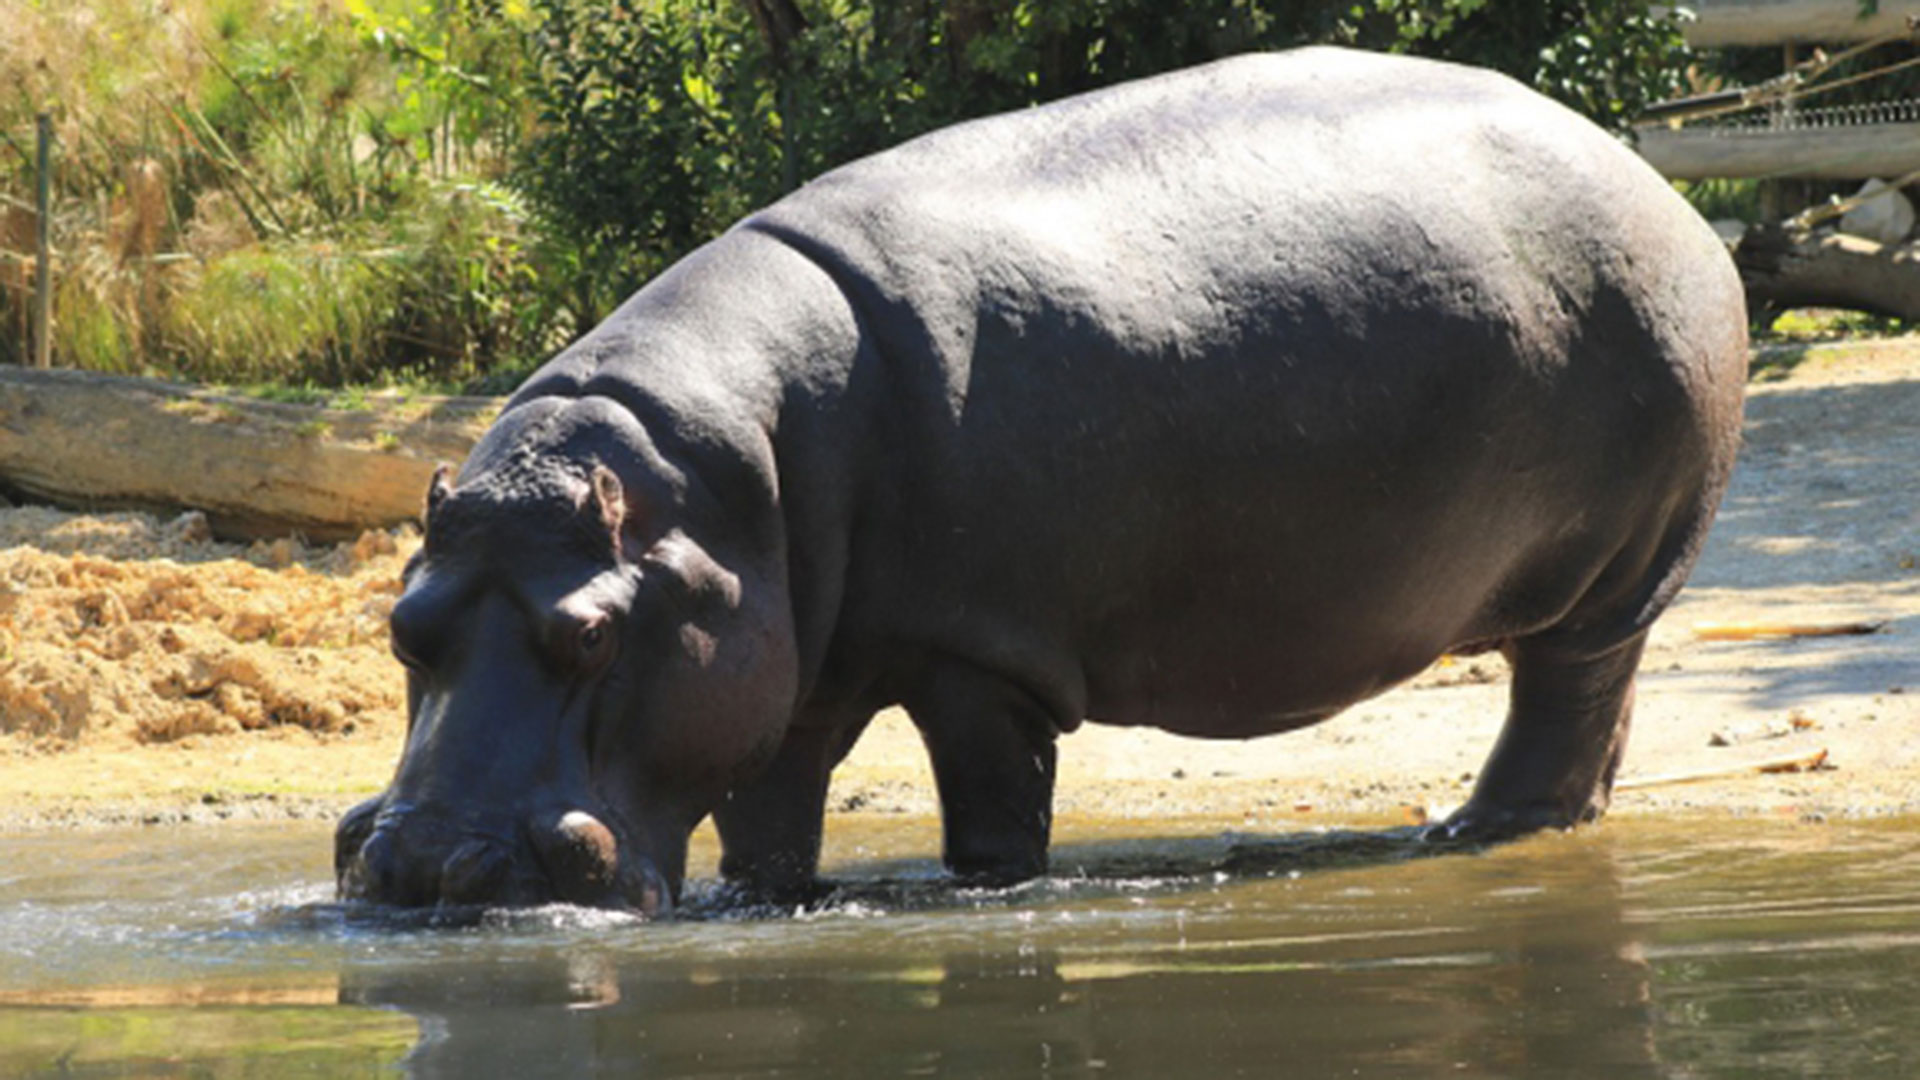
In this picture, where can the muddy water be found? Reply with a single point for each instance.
(1635, 949)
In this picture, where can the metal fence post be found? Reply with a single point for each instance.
(43, 248)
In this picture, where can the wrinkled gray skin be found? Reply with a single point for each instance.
(1216, 402)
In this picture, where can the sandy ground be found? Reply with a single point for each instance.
(147, 674)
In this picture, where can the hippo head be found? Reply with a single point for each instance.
(595, 653)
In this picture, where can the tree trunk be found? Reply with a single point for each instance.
(1783, 269)
(779, 22)
(256, 468)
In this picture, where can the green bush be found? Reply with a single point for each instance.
(659, 122)
(1738, 200)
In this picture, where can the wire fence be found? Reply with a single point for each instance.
(1789, 118)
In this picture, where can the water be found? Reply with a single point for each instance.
(1720, 949)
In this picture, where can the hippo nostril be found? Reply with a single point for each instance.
(474, 873)
(372, 872)
(350, 836)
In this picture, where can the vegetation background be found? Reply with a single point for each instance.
(364, 192)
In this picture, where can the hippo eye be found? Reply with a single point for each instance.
(595, 642)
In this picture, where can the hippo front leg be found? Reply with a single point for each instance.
(770, 826)
(992, 749)
(1565, 734)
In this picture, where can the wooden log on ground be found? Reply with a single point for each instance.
(255, 468)
(1786, 269)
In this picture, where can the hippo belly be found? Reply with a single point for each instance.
(1220, 424)
(1217, 402)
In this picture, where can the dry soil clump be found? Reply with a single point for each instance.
(119, 628)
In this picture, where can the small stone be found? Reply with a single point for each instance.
(189, 528)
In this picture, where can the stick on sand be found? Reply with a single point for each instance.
(1793, 763)
(1747, 631)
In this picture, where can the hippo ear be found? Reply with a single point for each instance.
(438, 489)
(608, 498)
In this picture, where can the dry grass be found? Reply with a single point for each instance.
(246, 191)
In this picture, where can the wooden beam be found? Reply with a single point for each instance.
(1720, 23)
(1852, 152)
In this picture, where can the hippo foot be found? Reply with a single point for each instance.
(744, 895)
(996, 875)
(1489, 823)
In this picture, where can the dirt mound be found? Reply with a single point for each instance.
(119, 628)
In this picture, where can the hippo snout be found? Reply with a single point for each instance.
(395, 855)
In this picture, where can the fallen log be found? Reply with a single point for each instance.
(256, 468)
(1788, 268)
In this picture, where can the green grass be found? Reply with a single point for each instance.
(1831, 324)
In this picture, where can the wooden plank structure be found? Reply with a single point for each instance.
(1850, 142)
(1792, 137)
(1738, 23)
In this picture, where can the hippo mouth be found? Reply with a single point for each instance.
(396, 854)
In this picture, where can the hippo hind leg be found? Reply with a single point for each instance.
(1571, 701)
(1566, 730)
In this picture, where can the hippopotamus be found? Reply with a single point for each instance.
(1215, 402)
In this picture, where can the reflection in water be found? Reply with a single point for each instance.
(1554, 984)
(1637, 949)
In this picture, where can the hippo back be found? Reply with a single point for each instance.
(1324, 354)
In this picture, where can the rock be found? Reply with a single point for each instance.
(1886, 218)
(189, 528)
